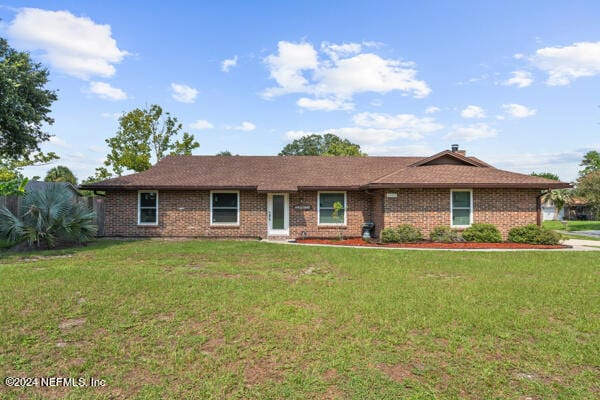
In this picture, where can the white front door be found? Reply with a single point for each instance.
(278, 214)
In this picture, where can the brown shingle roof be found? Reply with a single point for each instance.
(291, 173)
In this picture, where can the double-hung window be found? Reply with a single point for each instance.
(461, 204)
(326, 210)
(225, 207)
(148, 207)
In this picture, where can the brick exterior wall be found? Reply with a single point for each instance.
(428, 208)
(187, 213)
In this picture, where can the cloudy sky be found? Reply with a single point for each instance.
(515, 83)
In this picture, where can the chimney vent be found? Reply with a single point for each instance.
(454, 147)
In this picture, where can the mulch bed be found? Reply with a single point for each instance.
(431, 245)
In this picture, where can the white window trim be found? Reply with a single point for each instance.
(462, 208)
(319, 208)
(139, 209)
(238, 208)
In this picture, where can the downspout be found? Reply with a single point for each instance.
(538, 203)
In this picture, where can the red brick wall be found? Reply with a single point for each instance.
(428, 208)
(194, 218)
(187, 213)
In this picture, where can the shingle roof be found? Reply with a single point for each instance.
(291, 173)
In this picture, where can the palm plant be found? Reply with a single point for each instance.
(48, 216)
(559, 197)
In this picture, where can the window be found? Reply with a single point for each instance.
(148, 208)
(461, 203)
(325, 203)
(224, 208)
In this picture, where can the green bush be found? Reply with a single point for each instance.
(404, 233)
(533, 234)
(443, 234)
(389, 235)
(408, 233)
(48, 217)
(482, 233)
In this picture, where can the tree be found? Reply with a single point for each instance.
(24, 104)
(144, 135)
(588, 186)
(47, 217)
(317, 145)
(559, 198)
(590, 163)
(61, 174)
(547, 175)
(224, 153)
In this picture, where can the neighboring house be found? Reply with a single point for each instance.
(293, 196)
(579, 209)
(12, 203)
(549, 211)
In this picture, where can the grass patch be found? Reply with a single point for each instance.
(573, 226)
(227, 319)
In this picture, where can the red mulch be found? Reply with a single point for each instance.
(431, 245)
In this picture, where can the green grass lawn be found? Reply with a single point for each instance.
(573, 226)
(227, 319)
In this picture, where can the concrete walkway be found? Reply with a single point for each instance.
(594, 234)
(583, 245)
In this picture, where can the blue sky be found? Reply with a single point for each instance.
(514, 83)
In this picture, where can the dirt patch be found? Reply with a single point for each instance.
(267, 369)
(398, 372)
(212, 345)
(330, 375)
(432, 245)
(71, 323)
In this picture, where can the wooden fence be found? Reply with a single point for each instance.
(95, 203)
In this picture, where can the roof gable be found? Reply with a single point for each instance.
(448, 157)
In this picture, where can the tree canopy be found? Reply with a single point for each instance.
(325, 145)
(588, 186)
(24, 104)
(145, 136)
(590, 163)
(61, 173)
(547, 175)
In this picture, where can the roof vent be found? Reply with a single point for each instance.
(454, 147)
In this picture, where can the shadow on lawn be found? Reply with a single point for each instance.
(94, 245)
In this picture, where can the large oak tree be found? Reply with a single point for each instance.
(325, 145)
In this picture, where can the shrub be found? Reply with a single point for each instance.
(389, 235)
(408, 233)
(482, 233)
(443, 234)
(48, 217)
(533, 234)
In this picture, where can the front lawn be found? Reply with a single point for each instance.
(573, 226)
(226, 319)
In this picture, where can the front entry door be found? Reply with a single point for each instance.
(278, 214)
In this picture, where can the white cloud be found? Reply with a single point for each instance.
(75, 45)
(183, 93)
(97, 149)
(473, 112)
(472, 132)
(201, 124)
(229, 63)
(565, 64)
(377, 129)
(565, 164)
(407, 150)
(432, 110)
(55, 140)
(324, 104)
(114, 116)
(244, 126)
(518, 110)
(520, 79)
(342, 71)
(106, 91)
